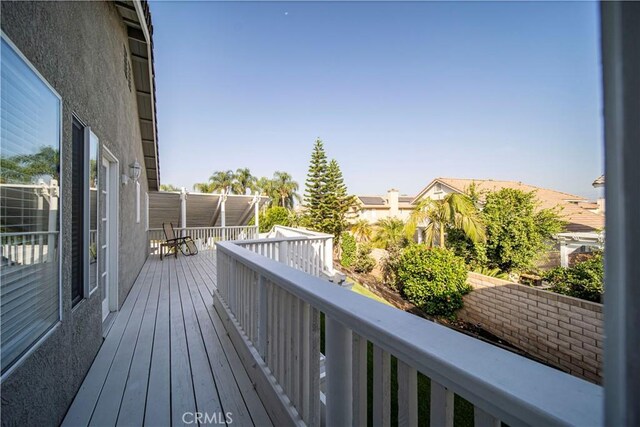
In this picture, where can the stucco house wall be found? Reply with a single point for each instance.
(80, 49)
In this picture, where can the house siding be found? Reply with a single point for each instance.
(79, 48)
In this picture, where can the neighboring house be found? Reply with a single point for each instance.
(78, 120)
(375, 208)
(580, 214)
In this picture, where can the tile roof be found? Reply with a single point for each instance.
(579, 218)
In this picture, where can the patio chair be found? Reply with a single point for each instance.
(185, 244)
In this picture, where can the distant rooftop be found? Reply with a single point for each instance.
(574, 208)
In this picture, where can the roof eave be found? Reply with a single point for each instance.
(140, 30)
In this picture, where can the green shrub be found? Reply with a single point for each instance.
(348, 249)
(584, 280)
(275, 215)
(364, 263)
(390, 265)
(491, 272)
(434, 279)
(518, 232)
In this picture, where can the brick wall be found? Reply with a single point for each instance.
(562, 331)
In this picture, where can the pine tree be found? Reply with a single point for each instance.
(316, 189)
(338, 201)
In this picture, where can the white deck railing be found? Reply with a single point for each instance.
(204, 237)
(27, 248)
(310, 253)
(272, 313)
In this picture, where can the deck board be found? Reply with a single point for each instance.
(131, 413)
(158, 403)
(82, 407)
(203, 271)
(167, 353)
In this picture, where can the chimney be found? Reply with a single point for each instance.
(599, 184)
(392, 200)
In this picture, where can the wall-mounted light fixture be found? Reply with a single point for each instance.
(135, 170)
(134, 173)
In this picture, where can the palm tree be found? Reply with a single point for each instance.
(169, 187)
(29, 167)
(243, 181)
(265, 186)
(362, 230)
(455, 210)
(285, 188)
(389, 232)
(204, 187)
(220, 180)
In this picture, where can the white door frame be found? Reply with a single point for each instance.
(113, 232)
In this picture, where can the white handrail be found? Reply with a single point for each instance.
(204, 237)
(313, 255)
(264, 299)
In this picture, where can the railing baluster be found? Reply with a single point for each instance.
(276, 335)
(359, 372)
(381, 387)
(441, 413)
(281, 337)
(314, 367)
(484, 419)
(407, 395)
(271, 327)
(339, 391)
(287, 343)
(263, 325)
(298, 323)
(306, 361)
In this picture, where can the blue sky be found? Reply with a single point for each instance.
(400, 93)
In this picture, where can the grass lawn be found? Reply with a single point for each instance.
(359, 289)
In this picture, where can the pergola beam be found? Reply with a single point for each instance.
(254, 203)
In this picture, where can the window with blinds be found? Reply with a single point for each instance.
(29, 206)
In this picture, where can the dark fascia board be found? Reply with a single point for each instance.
(139, 31)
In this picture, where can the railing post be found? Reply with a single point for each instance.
(223, 212)
(283, 250)
(262, 316)
(328, 255)
(339, 379)
(183, 211)
(54, 194)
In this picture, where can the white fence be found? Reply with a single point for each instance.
(204, 237)
(272, 313)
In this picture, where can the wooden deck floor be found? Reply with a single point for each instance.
(167, 354)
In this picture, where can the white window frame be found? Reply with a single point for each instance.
(146, 207)
(137, 202)
(54, 327)
(88, 135)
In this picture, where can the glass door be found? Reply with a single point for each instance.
(103, 265)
